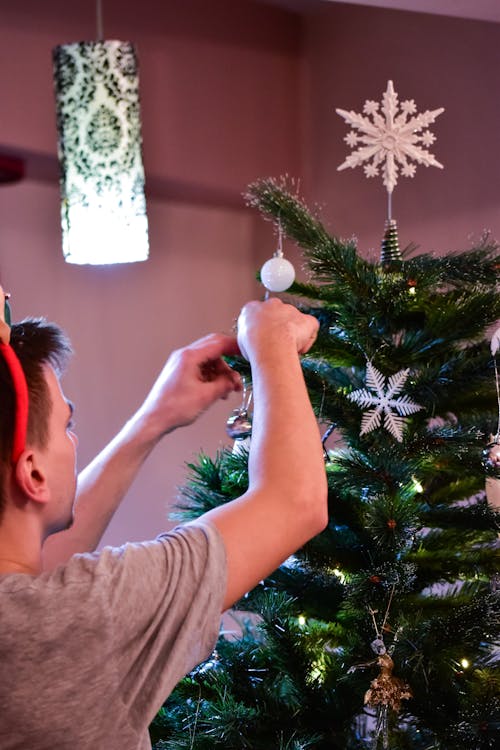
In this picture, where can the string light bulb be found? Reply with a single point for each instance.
(338, 573)
(417, 486)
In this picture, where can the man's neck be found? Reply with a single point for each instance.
(16, 566)
(20, 544)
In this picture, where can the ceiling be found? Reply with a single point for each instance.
(484, 10)
(480, 10)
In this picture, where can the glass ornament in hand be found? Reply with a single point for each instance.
(277, 274)
(239, 423)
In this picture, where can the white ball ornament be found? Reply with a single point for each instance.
(277, 274)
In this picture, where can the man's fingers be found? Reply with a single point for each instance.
(314, 324)
(216, 345)
(221, 375)
(208, 370)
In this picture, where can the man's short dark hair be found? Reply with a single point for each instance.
(36, 343)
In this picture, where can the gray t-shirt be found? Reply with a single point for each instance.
(89, 652)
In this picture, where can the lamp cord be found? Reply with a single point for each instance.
(100, 33)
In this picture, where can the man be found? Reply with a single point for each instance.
(92, 644)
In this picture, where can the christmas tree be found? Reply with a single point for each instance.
(383, 631)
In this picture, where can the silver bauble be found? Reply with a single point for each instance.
(239, 425)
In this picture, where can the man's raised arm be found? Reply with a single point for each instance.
(286, 503)
(192, 379)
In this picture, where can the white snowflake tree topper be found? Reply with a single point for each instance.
(391, 139)
(385, 401)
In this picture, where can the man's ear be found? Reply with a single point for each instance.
(30, 476)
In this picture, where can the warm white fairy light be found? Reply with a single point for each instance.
(338, 573)
(417, 486)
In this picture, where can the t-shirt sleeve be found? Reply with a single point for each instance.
(165, 602)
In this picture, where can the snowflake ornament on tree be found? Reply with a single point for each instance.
(382, 397)
(391, 139)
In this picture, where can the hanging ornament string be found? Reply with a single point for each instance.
(325, 437)
(384, 623)
(331, 427)
(379, 632)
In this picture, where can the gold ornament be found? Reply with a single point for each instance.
(385, 689)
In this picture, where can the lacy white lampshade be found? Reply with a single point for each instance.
(103, 206)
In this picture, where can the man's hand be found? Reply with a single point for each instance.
(262, 323)
(193, 378)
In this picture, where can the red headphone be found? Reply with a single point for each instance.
(18, 380)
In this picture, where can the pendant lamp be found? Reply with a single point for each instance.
(103, 205)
